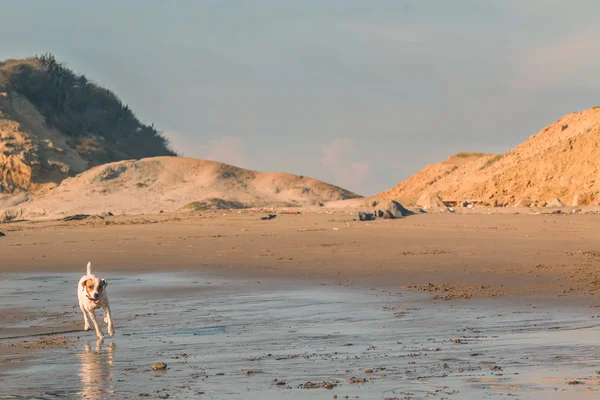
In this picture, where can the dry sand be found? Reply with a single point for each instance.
(447, 254)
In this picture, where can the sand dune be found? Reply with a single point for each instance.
(172, 184)
(51, 131)
(561, 161)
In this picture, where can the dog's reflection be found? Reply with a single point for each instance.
(97, 370)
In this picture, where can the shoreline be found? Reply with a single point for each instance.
(240, 337)
(448, 255)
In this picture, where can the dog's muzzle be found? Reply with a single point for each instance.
(95, 301)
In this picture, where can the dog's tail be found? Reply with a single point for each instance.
(89, 268)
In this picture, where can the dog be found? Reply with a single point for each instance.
(91, 292)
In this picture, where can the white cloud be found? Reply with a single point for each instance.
(568, 60)
(226, 149)
(339, 156)
(332, 154)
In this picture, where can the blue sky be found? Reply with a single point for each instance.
(358, 93)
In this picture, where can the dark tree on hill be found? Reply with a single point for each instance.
(79, 108)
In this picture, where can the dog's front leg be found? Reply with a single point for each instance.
(93, 318)
(86, 326)
(108, 320)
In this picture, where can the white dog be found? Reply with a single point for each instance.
(91, 292)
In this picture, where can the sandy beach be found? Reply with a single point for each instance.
(309, 305)
(271, 339)
(450, 255)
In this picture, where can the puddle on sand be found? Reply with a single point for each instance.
(230, 341)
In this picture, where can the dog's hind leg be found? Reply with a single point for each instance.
(108, 320)
(86, 326)
(93, 318)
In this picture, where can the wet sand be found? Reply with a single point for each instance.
(432, 306)
(247, 339)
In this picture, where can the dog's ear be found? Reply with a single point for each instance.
(103, 283)
(84, 283)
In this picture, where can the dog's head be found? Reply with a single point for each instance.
(93, 288)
